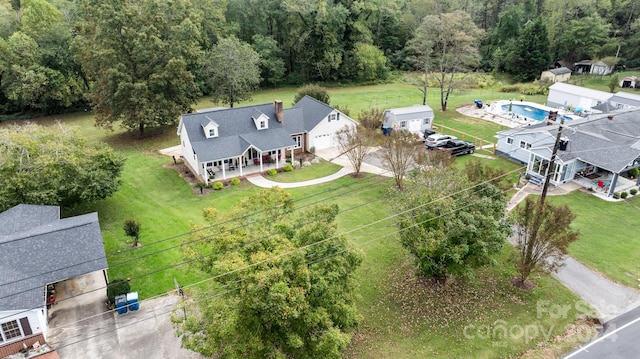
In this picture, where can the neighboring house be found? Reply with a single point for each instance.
(414, 119)
(561, 74)
(604, 146)
(38, 248)
(238, 141)
(624, 100)
(593, 68)
(572, 96)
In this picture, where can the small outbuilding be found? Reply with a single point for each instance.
(561, 74)
(415, 119)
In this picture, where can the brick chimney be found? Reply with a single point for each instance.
(277, 104)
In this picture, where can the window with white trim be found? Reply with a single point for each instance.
(403, 124)
(213, 132)
(509, 140)
(263, 124)
(10, 330)
(332, 117)
(298, 140)
(525, 145)
(426, 121)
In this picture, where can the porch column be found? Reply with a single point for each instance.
(205, 174)
(292, 161)
(612, 186)
(241, 164)
(223, 173)
(277, 157)
(261, 170)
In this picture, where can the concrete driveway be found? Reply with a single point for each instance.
(81, 327)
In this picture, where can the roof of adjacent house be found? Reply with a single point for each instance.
(611, 144)
(407, 113)
(626, 99)
(39, 248)
(237, 130)
(581, 91)
(560, 71)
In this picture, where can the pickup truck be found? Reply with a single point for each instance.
(458, 147)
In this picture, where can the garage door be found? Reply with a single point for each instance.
(322, 141)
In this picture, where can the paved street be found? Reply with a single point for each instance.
(618, 340)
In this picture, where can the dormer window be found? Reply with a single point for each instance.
(210, 129)
(261, 120)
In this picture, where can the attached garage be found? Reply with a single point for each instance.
(322, 141)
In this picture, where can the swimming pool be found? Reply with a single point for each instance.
(529, 111)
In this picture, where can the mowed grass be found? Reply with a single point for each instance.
(321, 169)
(401, 316)
(608, 239)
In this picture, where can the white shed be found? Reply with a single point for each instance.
(414, 119)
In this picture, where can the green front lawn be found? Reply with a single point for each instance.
(609, 239)
(317, 170)
(401, 317)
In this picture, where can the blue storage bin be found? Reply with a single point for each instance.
(132, 301)
(121, 304)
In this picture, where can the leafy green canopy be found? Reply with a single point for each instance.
(139, 55)
(283, 282)
(54, 166)
(448, 224)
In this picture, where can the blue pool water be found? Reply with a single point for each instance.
(529, 111)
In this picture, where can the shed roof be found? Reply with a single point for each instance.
(560, 71)
(581, 91)
(39, 248)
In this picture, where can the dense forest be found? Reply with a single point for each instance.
(148, 60)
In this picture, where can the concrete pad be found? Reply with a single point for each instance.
(82, 327)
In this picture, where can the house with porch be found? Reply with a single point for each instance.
(415, 119)
(597, 152)
(39, 249)
(227, 143)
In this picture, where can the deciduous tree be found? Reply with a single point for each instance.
(282, 284)
(139, 55)
(449, 225)
(354, 142)
(233, 70)
(451, 48)
(542, 236)
(318, 92)
(398, 153)
(54, 166)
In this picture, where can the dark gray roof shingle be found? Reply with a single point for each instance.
(237, 130)
(53, 250)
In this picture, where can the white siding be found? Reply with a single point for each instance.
(322, 136)
(36, 319)
(187, 150)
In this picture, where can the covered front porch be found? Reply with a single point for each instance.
(250, 162)
(586, 175)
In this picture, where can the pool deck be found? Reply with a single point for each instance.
(501, 119)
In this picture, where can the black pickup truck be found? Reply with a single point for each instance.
(458, 147)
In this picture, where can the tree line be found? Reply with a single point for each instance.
(143, 62)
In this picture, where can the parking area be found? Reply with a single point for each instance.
(82, 327)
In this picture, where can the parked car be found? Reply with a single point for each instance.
(428, 133)
(437, 139)
(458, 147)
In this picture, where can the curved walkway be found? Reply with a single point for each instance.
(261, 181)
(331, 155)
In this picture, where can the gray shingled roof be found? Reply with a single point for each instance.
(608, 144)
(237, 130)
(37, 248)
(560, 71)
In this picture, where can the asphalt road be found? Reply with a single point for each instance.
(619, 339)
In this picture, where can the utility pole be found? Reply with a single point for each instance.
(552, 162)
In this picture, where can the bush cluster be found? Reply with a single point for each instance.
(272, 172)
(235, 181)
(218, 185)
(287, 168)
(633, 191)
(510, 88)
